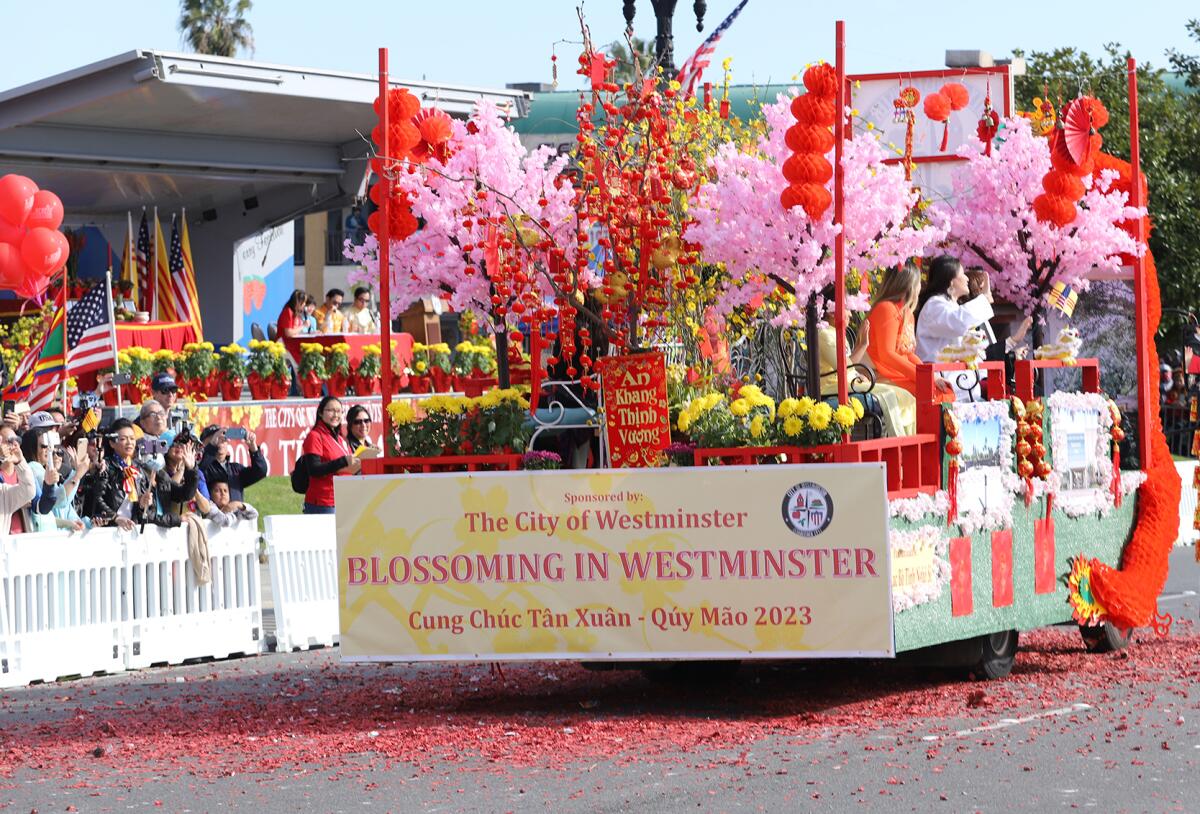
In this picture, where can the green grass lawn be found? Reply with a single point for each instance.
(274, 496)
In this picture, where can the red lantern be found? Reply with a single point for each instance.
(937, 107)
(1054, 209)
(813, 109)
(957, 94)
(807, 168)
(807, 138)
(821, 80)
(1066, 184)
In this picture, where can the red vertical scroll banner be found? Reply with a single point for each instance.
(636, 417)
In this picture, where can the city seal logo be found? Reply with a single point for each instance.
(807, 509)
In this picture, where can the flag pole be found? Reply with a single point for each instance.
(153, 276)
(112, 333)
(130, 257)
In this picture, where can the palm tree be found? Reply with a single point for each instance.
(216, 27)
(624, 72)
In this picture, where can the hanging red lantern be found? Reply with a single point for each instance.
(807, 138)
(937, 108)
(807, 167)
(821, 80)
(957, 94)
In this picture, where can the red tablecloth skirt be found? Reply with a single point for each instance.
(152, 336)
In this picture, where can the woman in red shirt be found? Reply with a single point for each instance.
(325, 454)
(291, 318)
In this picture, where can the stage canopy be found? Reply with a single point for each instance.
(240, 145)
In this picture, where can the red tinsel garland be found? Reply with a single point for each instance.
(1130, 593)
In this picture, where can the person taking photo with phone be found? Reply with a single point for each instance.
(118, 492)
(54, 504)
(218, 465)
(16, 484)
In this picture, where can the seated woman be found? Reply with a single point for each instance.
(941, 320)
(892, 343)
(898, 405)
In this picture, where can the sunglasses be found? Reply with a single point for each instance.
(362, 421)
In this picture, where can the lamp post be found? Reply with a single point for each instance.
(664, 42)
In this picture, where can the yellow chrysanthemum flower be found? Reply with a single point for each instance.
(857, 406)
(793, 425)
(844, 416)
(820, 416)
(756, 427)
(740, 408)
(804, 406)
(787, 407)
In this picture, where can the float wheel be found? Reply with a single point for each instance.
(999, 654)
(1105, 638)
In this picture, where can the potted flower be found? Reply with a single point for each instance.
(409, 436)
(754, 414)
(535, 460)
(679, 454)
(138, 363)
(261, 366)
(440, 370)
(499, 423)
(337, 367)
(445, 417)
(231, 363)
(366, 375)
(806, 423)
(197, 366)
(281, 379)
(418, 372)
(163, 361)
(707, 421)
(473, 367)
(312, 369)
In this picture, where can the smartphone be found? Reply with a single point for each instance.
(52, 439)
(81, 447)
(21, 408)
(236, 434)
(121, 378)
(9, 406)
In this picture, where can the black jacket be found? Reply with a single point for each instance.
(169, 497)
(102, 492)
(238, 477)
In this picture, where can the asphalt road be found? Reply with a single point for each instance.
(292, 732)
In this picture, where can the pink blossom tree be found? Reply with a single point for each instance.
(993, 223)
(489, 190)
(740, 222)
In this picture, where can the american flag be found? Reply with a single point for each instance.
(177, 300)
(145, 280)
(689, 74)
(89, 332)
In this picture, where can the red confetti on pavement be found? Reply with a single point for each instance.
(346, 718)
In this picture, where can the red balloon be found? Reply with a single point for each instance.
(11, 234)
(47, 210)
(12, 267)
(44, 250)
(33, 287)
(16, 198)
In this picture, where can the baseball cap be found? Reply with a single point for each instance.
(163, 382)
(41, 419)
(209, 432)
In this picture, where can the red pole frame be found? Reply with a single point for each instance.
(385, 283)
(839, 204)
(1147, 393)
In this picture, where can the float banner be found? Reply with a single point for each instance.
(636, 416)
(683, 563)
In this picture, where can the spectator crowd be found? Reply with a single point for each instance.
(68, 471)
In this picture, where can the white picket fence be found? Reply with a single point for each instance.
(1187, 503)
(106, 601)
(302, 553)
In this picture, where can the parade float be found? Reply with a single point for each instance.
(668, 282)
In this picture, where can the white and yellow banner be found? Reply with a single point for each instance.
(707, 562)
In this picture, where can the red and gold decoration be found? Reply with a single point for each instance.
(1084, 605)
(1074, 144)
(807, 170)
(1031, 452)
(902, 112)
(636, 416)
(989, 123)
(1118, 435)
(416, 135)
(953, 450)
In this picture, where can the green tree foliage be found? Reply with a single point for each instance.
(216, 27)
(1170, 147)
(624, 72)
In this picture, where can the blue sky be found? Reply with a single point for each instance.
(491, 42)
